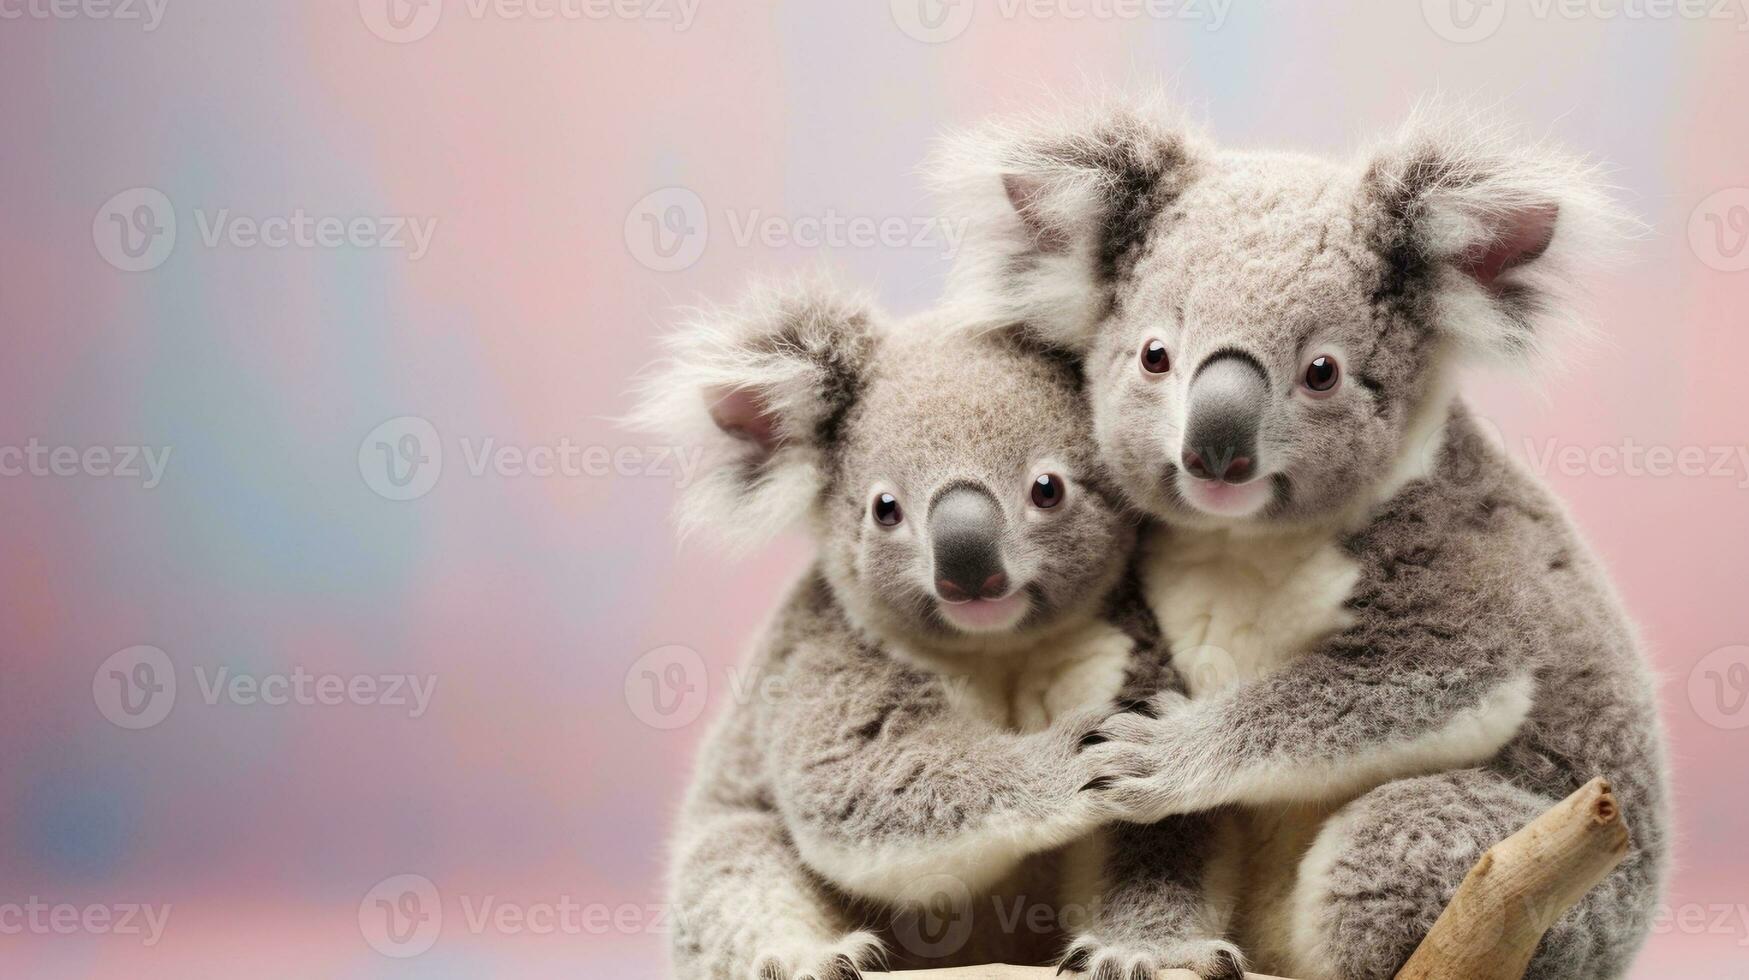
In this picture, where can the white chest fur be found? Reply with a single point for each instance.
(1233, 608)
(1028, 689)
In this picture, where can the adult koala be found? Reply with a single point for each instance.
(1398, 649)
(904, 771)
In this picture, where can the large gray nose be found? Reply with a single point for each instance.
(1227, 396)
(965, 524)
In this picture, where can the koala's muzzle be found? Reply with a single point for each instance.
(1225, 412)
(965, 525)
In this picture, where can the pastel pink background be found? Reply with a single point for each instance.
(532, 778)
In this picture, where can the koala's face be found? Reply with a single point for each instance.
(963, 503)
(1248, 371)
(1268, 337)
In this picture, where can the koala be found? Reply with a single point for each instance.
(1396, 646)
(901, 776)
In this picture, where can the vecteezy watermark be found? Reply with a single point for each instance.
(667, 230)
(939, 21)
(402, 459)
(1704, 919)
(136, 230)
(1469, 21)
(147, 13)
(1718, 688)
(38, 459)
(403, 915)
(406, 21)
(1718, 230)
(39, 918)
(136, 688)
(669, 687)
(1634, 460)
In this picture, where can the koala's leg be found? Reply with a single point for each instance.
(1386, 864)
(1166, 898)
(747, 909)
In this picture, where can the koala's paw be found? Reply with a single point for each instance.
(1142, 762)
(1210, 959)
(843, 960)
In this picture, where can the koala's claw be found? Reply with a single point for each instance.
(1210, 959)
(844, 961)
(1093, 738)
(1098, 783)
(1076, 960)
(1227, 967)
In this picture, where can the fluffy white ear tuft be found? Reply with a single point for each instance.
(1505, 230)
(757, 390)
(1053, 204)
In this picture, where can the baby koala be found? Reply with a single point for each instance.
(902, 779)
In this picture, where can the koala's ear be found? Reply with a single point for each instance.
(1053, 206)
(1500, 230)
(754, 394)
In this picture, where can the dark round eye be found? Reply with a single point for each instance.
(1154, 358)
(1048, 491)
(1323, 373)
(886, 510)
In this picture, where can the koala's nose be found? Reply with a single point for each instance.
(1227, 396)
(965, 524)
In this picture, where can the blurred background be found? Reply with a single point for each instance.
(344, 635)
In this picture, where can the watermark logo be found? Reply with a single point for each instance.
(932, 21)
(402, 458)
(38, 459)
(39, 918)
(135, 231)
(1718, 230)
(1464, 21)
(401, 916)
(935, 919)
(406, 21)
(667, 230)
(148, 13)
(135, 688)
(401, 21)
(668, 687)
(1718, 688)
(940, 21)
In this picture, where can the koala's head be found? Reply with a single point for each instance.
(949, 476)
(1268, 338)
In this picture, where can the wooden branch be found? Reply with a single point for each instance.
(1000, 972)
(1520, 887)
(1500, 912)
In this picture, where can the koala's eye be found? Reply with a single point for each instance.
(1154, 358)
(886, 510)
(1322, 374)
(1048, 491)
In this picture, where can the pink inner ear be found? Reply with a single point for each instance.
(741, 413)
(1520, 236)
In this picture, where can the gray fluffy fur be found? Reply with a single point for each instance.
(887, 761)
(1471, 664)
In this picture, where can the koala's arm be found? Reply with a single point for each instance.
(1435, 671)
(883, 781)
(744, 903)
